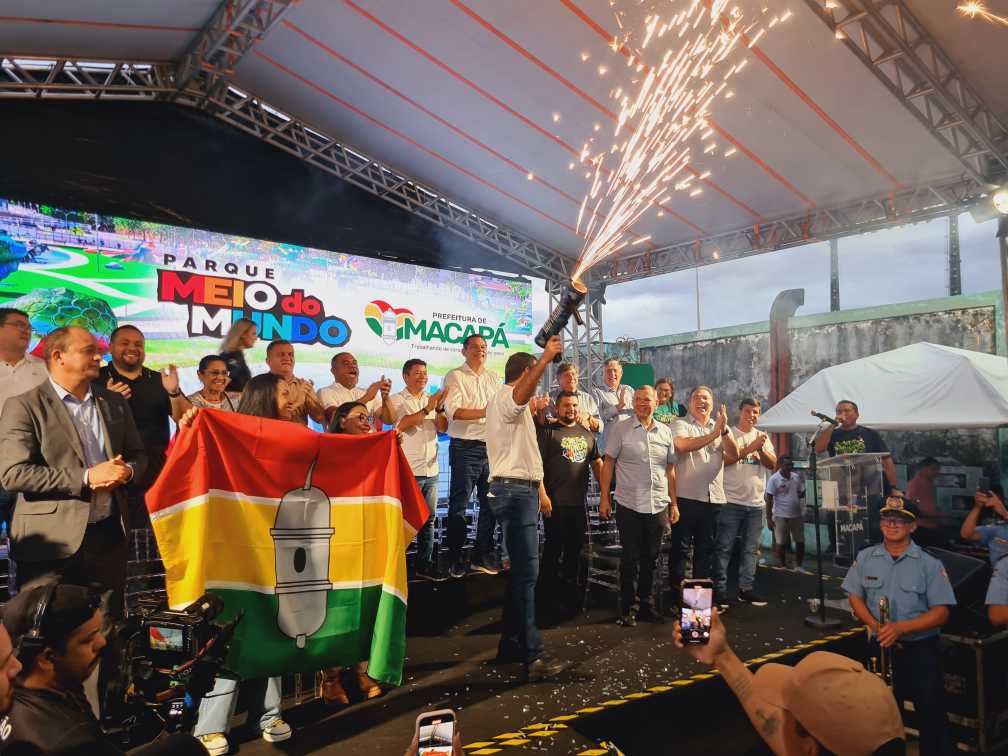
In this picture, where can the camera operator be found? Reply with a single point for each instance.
(57, 631)
(826, 703)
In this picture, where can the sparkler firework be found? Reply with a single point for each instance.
(649, 157)
(973, 9)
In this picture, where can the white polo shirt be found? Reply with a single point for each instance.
(700, 473)
(337, 394)
(419, 443)
(24, 375)
(465, 389)
(512, 446)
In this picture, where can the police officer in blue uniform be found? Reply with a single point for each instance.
(995, 535)
(920, 595)
(997, 594)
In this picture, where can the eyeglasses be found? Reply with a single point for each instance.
(19, 325)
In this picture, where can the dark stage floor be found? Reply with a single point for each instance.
(628, 685)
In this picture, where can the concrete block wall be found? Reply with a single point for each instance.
(735, 362)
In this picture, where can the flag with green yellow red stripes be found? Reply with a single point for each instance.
(303, 532)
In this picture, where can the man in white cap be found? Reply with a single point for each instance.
(826, 703)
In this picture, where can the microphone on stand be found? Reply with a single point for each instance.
(825, 418)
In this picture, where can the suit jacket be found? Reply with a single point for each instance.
(42, 460)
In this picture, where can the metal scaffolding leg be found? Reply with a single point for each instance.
(834, 275)
(954, 261)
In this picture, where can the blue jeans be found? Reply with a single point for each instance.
(425, 536)
(218, 706)
(469, 469)
(746, 522)
(516, 506)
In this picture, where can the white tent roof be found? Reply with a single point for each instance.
(918, 387)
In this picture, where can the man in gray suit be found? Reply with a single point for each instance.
(67, 448)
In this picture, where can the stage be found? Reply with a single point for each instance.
(629, 686)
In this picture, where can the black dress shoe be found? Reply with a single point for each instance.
(647, 614)
(544, 667)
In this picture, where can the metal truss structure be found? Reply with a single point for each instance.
(231, 32)
(64, 78)
(909, 206)
(886, 37)
(583, 344)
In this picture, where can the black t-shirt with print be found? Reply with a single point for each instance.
(860, 440)
(567, 453)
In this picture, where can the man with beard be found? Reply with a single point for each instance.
(153, 397)
(568, 451)
(57, 630)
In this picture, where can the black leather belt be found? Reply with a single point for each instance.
(515, 482)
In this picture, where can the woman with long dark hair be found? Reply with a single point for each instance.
(264, 396)
(350, 418)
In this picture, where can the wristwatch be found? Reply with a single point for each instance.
(439, 410)
(175, 394)
(725, 431)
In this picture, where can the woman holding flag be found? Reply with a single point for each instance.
(264, 396)
(351, 418)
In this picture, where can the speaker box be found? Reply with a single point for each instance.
(969, 577)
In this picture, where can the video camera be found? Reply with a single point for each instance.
(167, 662)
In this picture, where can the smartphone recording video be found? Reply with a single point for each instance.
(435, 730)
(695, 619)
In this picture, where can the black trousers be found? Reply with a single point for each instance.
(918, 677)
(697, 523)
(565, 535)
(100, 559)
(640, 539)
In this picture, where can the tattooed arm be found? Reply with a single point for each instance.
(768, 719)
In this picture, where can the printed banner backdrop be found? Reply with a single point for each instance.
(308, 544)
(184, 287)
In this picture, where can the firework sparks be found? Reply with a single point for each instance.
(974, 8)
(652, 140)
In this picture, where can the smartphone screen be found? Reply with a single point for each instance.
(436, 731)
(695, 619)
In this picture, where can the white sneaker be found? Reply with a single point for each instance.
(216, 743)
(277, 731)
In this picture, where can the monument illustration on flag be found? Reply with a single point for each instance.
(303, 532)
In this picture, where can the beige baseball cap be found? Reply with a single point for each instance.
(840, 703)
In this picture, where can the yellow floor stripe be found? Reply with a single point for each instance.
(540, 730)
